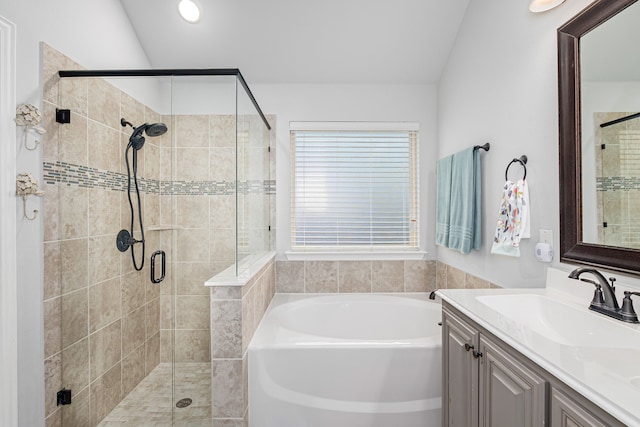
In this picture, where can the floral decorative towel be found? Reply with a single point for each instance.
(513, 219)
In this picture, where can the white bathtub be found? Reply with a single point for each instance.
(346, 361)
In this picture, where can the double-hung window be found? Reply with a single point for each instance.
(354, 187)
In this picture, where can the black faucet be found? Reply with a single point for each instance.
(604, 299)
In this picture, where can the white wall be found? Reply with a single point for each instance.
(298, 102)
(500, 85)
(98, 35)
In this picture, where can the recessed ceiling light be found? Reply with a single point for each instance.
(189, 10)
(543, 5)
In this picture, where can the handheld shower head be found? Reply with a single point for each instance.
(155, 129)
(136, 140)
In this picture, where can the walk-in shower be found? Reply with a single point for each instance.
(179, 161)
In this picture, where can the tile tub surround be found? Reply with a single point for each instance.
(235, 314)
(372, 276)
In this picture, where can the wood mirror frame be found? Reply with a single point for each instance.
(572, 248)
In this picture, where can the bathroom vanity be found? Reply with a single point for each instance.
(536, 357)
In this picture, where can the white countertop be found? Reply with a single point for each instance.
(597, 356)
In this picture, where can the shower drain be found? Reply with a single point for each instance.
(183, 403)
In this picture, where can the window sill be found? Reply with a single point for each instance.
(355, 256)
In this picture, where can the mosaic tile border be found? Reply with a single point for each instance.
(84, 176)
(617, 183)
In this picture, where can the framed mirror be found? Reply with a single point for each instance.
(582, 200)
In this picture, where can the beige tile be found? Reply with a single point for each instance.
(354, 276)
(104, 103)
(192, 164)
(133, 292)
(387, 276)
(104, 212)
(132, 370)
(321, 276)
(152, 353)
(166, 346)
(54, 420)
(192, 345)
(52, 326)
(72, 144)
(78, 414)
(226, 328)
(104, 148)
(166, 311)
(249, 320)
(190, 278)
(104, 304)
(223, 161)
(222, 211)
(51, 207)
(228, 422)
(474, 282)
(75, 317)
(52, 381)
(455, 278)
(74, 94)
(192, 246)
(289, 276)
(106, 393)
(441, 275)
(153, 317)
(192, 131)
(75, 365)
(105, 349)
(192, 312)
(222, 245)
(225, 292)
(227, 388)
(74, 264)
(104, 259)
(223, 131)
(50, 141)
(132, 110)
(73, 212)
(419, 276)
(192, 211)
(52, 286)
(151, 210)
(152, 160)
(133, 330)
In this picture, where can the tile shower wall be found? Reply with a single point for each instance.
(102, 318)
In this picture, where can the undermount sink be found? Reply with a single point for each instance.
(561, 323)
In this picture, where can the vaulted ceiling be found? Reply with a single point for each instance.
(302, 41)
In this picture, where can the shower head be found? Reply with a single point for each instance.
(155, 129)
(136, 140)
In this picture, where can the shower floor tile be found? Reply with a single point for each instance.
(150, 404)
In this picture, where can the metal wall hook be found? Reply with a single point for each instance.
(35, 211)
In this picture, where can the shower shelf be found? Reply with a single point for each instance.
(164, 227)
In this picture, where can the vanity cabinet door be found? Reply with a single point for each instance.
(460, 372)
(511, 395)
(567, 412)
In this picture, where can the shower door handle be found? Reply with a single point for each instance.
(153, 266)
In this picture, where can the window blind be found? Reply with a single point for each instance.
(354, 190)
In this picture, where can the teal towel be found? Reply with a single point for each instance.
(443, 200)
(465, 226)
